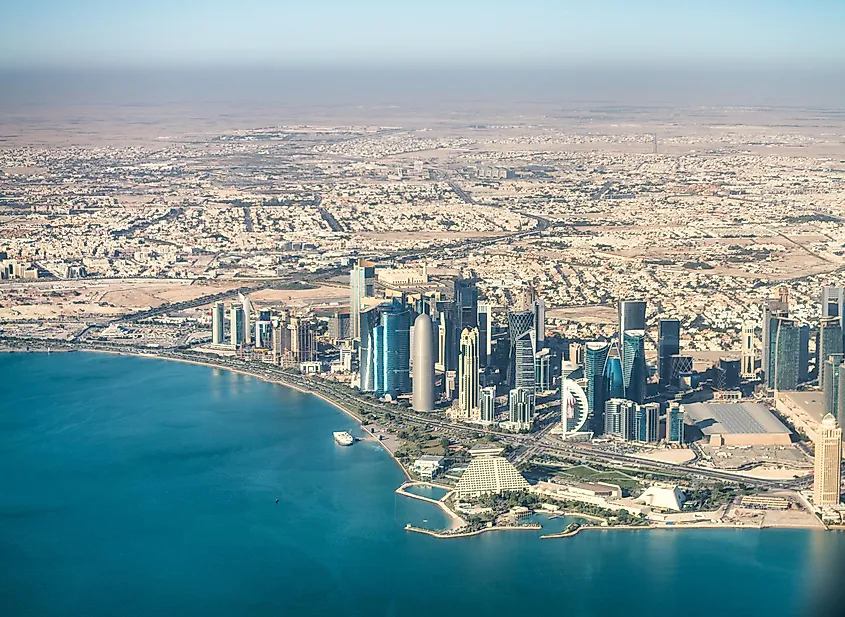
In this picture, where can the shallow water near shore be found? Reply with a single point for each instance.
(137, 486)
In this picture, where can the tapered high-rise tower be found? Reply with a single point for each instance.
(423, 399)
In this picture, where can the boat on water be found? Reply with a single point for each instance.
(343, 438)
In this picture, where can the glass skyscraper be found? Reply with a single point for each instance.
(361, 285)
(647, 422)
(668, 345)
(634, 365)
(675, 424)
(784, 354)
(396, 350)
(520, 329)
(831, 370)
(830, 343)
(595, 363)
(613, 378)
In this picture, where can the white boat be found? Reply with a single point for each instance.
(343, 438)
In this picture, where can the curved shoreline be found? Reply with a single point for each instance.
(280, 382)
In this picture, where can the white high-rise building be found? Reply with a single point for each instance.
(236, 325)
(828, 463)
(748, 360)
(247, 310)
(218, 323)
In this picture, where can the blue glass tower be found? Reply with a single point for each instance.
(634, 365)
(394, 350)
(595, 363)
(613, 378)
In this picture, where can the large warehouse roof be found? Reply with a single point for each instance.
(733, 419)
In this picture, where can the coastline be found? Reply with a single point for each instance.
(457, 522)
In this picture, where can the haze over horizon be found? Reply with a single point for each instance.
(609, 33)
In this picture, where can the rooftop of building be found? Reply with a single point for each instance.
(733, 418)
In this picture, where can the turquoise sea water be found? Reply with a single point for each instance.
(133, 486)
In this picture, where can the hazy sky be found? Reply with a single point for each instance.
(427, 32)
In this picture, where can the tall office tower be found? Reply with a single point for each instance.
(442, 335)
(370, 319)
(576, 353)
(595, 363)
(784, 354)
(829, 343)
(303, 340)
(520, 329)
(783, 295)
(668, 344)
(423, 364)
(488, 404)
(264, 334)
(468, 382)
(833, 303)
(264, 315)
(772, 310)
(747, 368)
(281, 338)
(619, 418)
(247, 307)
(803, 353)
(395, 348)
(614, 381)
(521, 407)
(728, 373)
(466, 302)
(634, 368)
(647, 423)
(543, 370)
(538, 308)
(218, 323)
(361, 285)
(675, 423)
(485, 332)
(831, 369)
(449, 319)
(631, 315)
(828, 463)
(236, 325)
(340, 326)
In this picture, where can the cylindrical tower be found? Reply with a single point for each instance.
(423, 364)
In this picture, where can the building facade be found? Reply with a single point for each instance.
(668, 345)
(828, 463)
(468, 375)
(423, 399)
(218, 323)
(675, 423)
(361, 285)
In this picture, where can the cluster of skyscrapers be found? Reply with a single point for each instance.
(291, 340)
(444, 338)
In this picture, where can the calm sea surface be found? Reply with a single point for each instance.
(133, 486)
